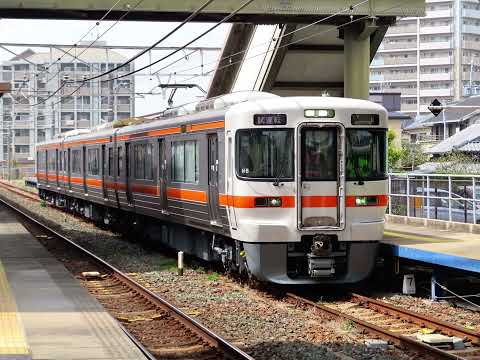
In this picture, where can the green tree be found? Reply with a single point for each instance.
(412, 155)
(394, 152)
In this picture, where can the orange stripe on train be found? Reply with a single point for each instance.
(186, 194)
(150, 133)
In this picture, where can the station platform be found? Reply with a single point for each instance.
(45, 313)
(448, 248)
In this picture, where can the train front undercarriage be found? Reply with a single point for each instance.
(316, 259)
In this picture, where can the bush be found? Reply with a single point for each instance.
(412, 155)
(394, 152)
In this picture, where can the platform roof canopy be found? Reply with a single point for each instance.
(259, 11)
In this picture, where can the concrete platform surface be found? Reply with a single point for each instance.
(439, 247)
(60, 319)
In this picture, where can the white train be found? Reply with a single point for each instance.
(291, 190)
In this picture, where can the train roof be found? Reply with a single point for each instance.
(214, 109)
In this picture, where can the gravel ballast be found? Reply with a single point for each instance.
(265, 327)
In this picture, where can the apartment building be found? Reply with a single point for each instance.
(433, 57)
(29, 116)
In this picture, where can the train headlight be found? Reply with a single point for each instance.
(366, 201)
(275, 202)
(268, 202)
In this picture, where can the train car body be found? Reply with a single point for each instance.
(289, 190)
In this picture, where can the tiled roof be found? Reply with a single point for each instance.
(471, 147)
(457, 114)
(465, 137)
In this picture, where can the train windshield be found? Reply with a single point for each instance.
(366, 154)
(265, 154)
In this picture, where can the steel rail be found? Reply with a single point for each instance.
(419, 319)
(19, 191)
(230, 350)
(401, 341)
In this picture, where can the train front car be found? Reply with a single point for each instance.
(306, 187)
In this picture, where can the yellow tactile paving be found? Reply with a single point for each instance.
(12, 337)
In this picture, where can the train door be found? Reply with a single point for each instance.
(127, 174)
(162, 175)
(84, 169)
(322, 176)
(69, 169)
(103, 168)
(57, 168)
(213, 179)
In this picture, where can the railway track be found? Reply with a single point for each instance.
(160, 330)
(399, 327)
(19, 191)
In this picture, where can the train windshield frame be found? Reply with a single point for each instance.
(265, 154)
(366, 155)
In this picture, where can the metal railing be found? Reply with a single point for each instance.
(448, 197)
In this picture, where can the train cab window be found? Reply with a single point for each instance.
(110, 161)
(185, 161)
(366, 154)
(319, 154)
(76, 161)
(93, 161)
(265, 154)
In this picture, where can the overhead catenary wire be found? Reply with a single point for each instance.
(352, 21)
(86, 48)
(290, 43)
(188, 19)
(163, 38)
(85, 35)
(226, 18)
(317, 22)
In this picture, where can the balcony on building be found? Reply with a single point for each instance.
(436, 76)
(377, 61)
(408, 107)
(376, 77)
(471, 13)
(436, 29)
(471, 29)
(436, 60)
(398, 45)
(402, 29)
(436, 45)
(444, 13)
(436, 92)
(407, 91)
(409, 60)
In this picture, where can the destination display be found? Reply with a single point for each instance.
(270, 119)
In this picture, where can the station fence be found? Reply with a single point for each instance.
(447, 197)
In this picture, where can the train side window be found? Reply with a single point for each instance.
(119, 160)
(76, 161)
(110, 161)
(93, 163)
(143, 158)
(51, 161)
(185, 161)
(139, 160)
(41, 160)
